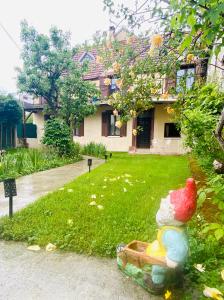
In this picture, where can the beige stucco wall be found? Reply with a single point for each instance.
(216, 74)
(38, 119)
(93, 133)
(160, 144)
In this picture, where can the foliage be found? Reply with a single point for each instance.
(94, 149)
(21, 162)
(50, 72)
(57, 135)
(205, 250)
(198, 111)
(191, 24)
(66, 219)
(10, 110)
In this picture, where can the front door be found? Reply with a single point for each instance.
(144, 125)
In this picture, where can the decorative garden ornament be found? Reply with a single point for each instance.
(153, 265)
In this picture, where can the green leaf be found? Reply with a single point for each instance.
(191, 20)
(186, 43)
(219, 233)
(201, 198)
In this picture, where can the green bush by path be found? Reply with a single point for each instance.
(128, 187)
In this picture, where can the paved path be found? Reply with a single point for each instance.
(31, 187)
(28, 275)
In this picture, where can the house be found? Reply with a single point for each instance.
(158, 134)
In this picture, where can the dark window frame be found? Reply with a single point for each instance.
(171, 131)
(112, 129)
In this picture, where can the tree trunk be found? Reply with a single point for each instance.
(218, 132)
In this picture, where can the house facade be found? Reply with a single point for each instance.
(158, 135)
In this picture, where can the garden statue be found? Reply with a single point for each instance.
(157, 266)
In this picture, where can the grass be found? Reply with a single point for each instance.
(67, 220)
(23, 161)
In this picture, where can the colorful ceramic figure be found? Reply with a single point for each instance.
(170, 248)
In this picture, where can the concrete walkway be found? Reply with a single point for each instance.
(31, 187)
(41, 275)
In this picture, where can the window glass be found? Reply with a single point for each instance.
(113, 130)
(113, 86)
(170, 130)
(185, 76)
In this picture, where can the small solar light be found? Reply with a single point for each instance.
(105, 157)
(90, 162)
(10, 192)
(110, 155)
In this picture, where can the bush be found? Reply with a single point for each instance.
(57, 134)
(94, 149)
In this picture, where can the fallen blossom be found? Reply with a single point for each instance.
(61, 189)
(222, 274)
(116, 67)
(50, 247)
(167, 295)
(70, 190)
(92, 203)
(100, 207)
(105, 179)
(125, 190)
(70, 222)
(101, 196)
(156, 40)
(104, 187)
(118, 124)
(134, 132)
(115, 112)
(190, 57)
(93, 196)
(200, 267)
(127, 175)
(212, 293)
(107, 81)
(118, 177)
(33, 248)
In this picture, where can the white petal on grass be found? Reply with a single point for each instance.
(92, 203)
(33, 248)
(105, 179)
(101, 196)
(127, 175)
(200, 267)
(61, 189)
(104, 187)
(100, 207)
(70, 190)
(222, 274)
(212, 293)
(125, 190)
(50, 247)
(93, 196)
(70, 222)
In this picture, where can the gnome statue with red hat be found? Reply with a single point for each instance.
(170, 247)
(172, 244)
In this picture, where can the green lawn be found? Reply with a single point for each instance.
(67, 220)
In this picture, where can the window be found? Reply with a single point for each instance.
(86, 57)
(185, 77)
(79, 129)
(113, 86)
(170, 130)
(113, 130)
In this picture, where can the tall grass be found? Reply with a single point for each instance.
(26, 161)
(94, 149)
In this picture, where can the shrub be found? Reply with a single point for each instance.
(94, 149)
(57, 134)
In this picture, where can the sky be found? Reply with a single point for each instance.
(81, 17)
